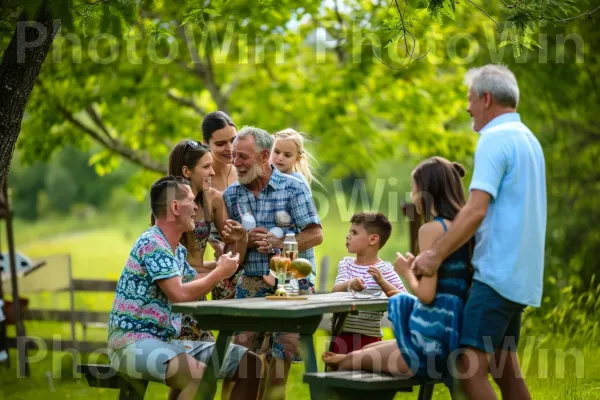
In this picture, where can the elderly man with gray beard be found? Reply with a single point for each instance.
(262, 190)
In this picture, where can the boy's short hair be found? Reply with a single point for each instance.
(374, 223)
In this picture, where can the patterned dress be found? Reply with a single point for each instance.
(190, 329)
(226, 288)
(427, 334)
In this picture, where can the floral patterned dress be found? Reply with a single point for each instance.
(190, 329)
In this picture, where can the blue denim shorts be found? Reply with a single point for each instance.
(490, 321)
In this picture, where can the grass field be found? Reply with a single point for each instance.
(99, 247)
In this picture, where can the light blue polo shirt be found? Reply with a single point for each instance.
(509, 249)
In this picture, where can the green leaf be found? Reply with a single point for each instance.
(211, 11)
(516, 49)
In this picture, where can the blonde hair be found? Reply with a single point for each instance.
(301, 165)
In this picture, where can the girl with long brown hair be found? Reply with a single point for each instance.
(426, 323)
(192, 160)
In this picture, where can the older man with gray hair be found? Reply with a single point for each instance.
(506, 211)
(262, 191)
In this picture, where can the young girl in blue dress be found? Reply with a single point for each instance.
(427, 322)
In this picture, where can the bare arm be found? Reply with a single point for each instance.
(205, 268)
(237, 244)
(424, 287)
(463, 228)
(178, 292)
(354, 283)
(386, 286)
(311, 236)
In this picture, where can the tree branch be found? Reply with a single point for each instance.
(203, 69)
(186, 102)
(231, 88)
(590, 12)
(112, 144)
(91, 111)
(486, 14)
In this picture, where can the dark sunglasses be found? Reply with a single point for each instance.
(195, 145)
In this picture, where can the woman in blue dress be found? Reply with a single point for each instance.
(427, 322)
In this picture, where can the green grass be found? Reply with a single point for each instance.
(99, 247)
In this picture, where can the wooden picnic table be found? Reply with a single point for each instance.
(263, 315)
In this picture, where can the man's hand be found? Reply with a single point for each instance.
(269, 242)
(255, 236)
(233, 231)
(376, 274)
(227, 265)
(356, 284)
(426, 263)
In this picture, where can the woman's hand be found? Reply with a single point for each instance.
(233, 231)
(402, 264)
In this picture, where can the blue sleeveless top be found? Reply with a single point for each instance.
(427, 333)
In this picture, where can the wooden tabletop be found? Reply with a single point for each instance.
(319, 304)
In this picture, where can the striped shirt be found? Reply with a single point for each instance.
(365, 322)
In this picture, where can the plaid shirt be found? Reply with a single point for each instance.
(282, 193)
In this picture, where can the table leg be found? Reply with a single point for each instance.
(339, 320)
(208, 386)
(308, 353)
(310, 359)
(338, 324)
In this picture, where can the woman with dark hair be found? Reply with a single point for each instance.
(218, 132)
(192, 160)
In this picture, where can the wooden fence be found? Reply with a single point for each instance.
(59, 278)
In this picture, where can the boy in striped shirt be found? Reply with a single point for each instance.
(368, 233)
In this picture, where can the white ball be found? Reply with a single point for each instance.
(248, 221)
(277, 231)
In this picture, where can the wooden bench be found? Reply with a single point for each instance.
(362, 385)
(104, 376)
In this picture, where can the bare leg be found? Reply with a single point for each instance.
(332, 359)
(472, 367)
(379, 357)
(277, 375)
(382, 343)
(174, 393)
(510, 379)
(246, 380)
(184, 373)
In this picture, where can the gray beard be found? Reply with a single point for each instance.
(253, 173)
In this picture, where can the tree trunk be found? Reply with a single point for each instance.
(19, 70)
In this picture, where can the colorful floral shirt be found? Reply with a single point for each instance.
(141, 309)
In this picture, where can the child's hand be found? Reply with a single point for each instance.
(356, 284)
(402, 264)
(376, 274)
